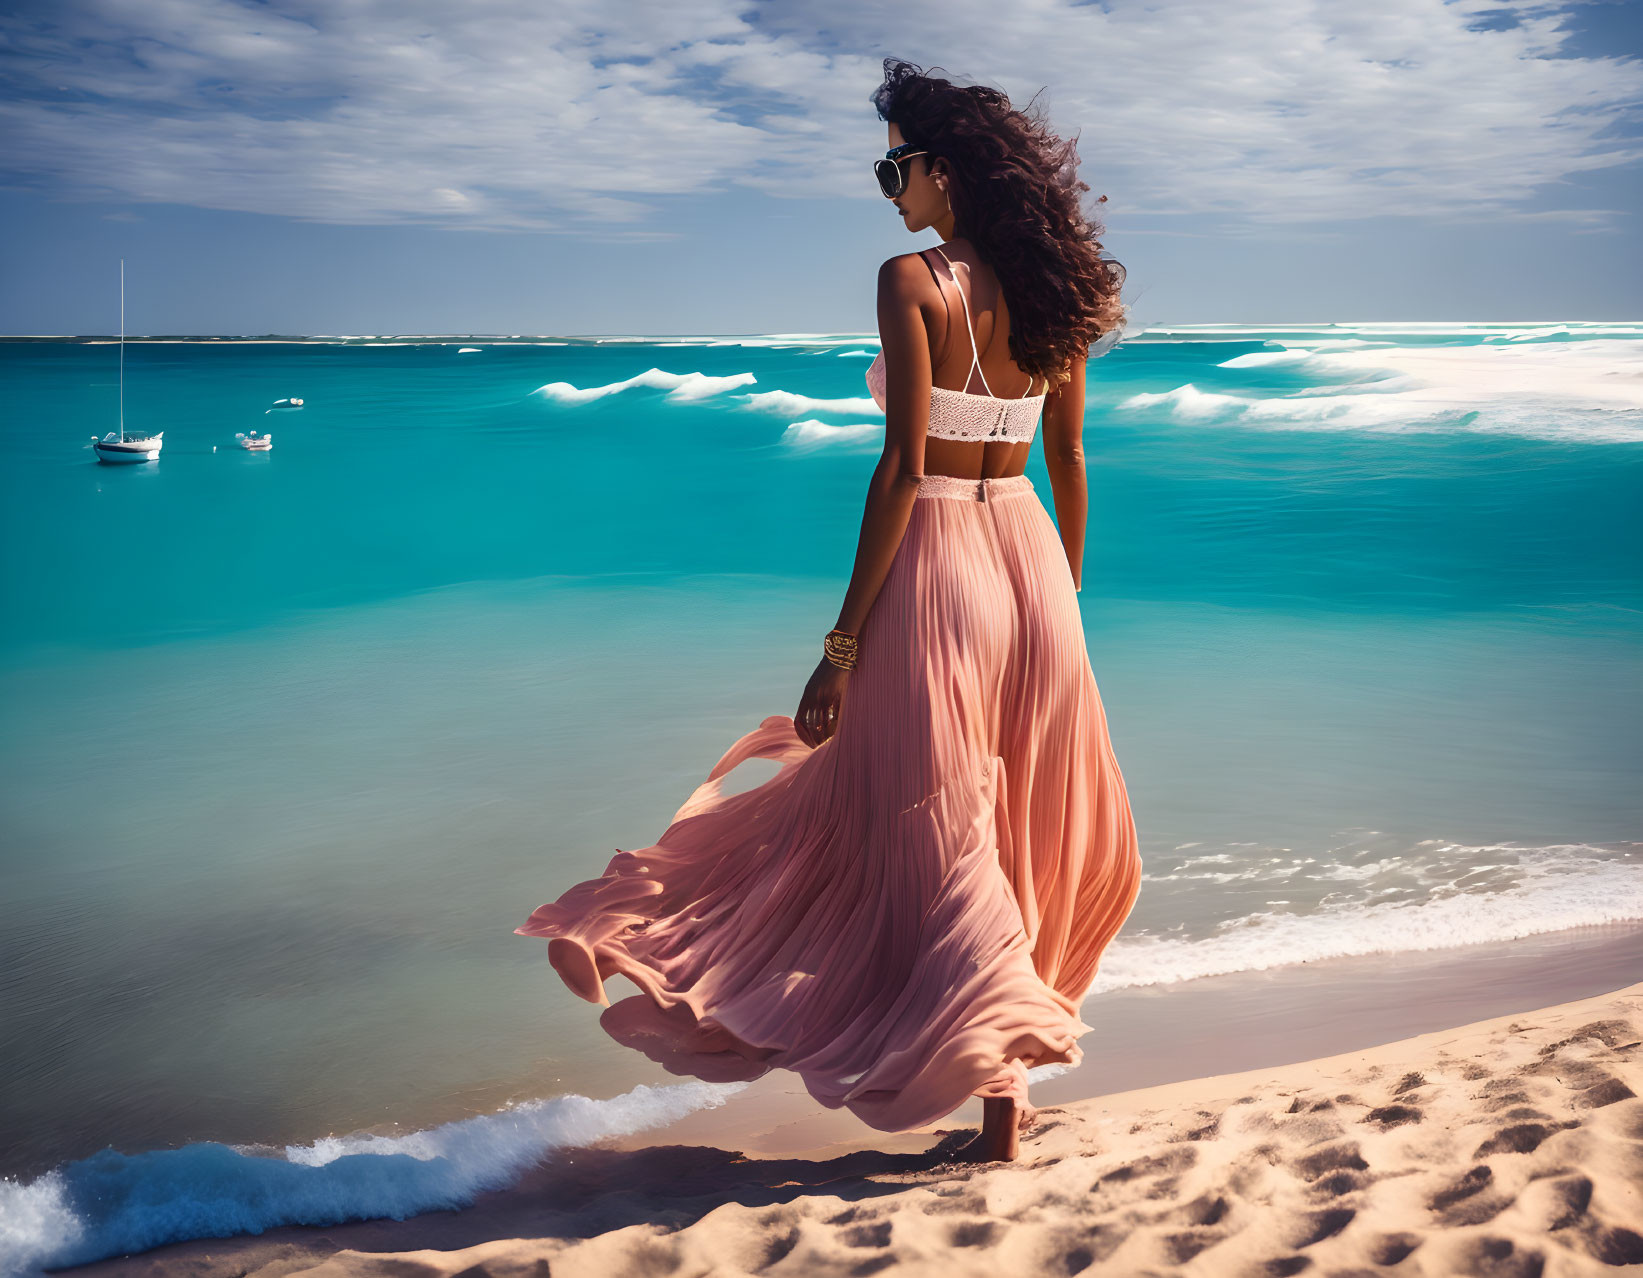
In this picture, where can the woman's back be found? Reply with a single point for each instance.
(977, 427)
(987, 368)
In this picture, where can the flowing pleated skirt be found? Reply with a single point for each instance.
(911, 913)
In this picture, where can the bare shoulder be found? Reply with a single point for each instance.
(903, 273)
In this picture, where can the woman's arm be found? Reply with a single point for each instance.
(903, 285)
(1063, 423)
(904, 291)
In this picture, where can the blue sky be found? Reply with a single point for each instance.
(693, 166)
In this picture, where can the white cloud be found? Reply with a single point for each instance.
(572, 116)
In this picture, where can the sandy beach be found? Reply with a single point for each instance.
(1506, 1146)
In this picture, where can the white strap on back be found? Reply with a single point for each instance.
(975, 355)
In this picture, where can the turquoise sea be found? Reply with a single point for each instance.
(293, 740)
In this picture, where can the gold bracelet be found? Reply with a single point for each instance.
(839, 646)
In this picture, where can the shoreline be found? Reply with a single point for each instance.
(1153, 1036)
(1241, 1164)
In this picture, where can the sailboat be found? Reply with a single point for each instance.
(123, 447)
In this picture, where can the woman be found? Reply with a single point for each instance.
(910, 911)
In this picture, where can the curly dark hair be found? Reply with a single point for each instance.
(1015, 195)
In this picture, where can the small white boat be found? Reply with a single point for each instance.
(283, 405)
(119, 446)
(127, 448)
(255, 442)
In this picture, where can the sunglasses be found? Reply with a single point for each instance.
(892, 177)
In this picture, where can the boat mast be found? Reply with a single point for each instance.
(122, 350)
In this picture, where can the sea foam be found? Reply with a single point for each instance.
(1590, 391)
(1551, 889)
(679, 386)
(113, 1204)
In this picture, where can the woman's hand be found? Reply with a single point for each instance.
(817, 717)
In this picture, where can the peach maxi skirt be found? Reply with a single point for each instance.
(911, 913)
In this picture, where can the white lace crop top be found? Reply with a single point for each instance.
(961, 414)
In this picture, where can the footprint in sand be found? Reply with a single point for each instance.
(1389, 1116)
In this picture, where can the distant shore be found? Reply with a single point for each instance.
(1138, 331)
(351, 339)
(443, 339)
